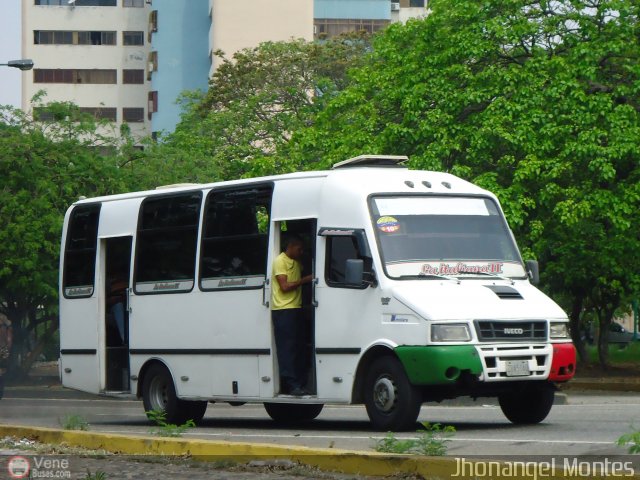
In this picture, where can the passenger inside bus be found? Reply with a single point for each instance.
(286, 314)
(116, 299)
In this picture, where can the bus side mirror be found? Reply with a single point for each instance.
(533, 270)
(354, 272)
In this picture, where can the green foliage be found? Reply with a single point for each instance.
(44, 167)
(241, 127)
(430, 441)
(630, 440)
(99, 475)
(74, 422)
(538, 102)
(167, 429)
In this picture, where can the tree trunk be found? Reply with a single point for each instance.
(33, 355)
(604, 320)
(576, 329)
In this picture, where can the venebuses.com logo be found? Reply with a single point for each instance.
(18, 467)
(38, 467)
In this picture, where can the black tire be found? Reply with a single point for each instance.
(194, 409)
(159, 393)
(529, 404)
(293, 413)
(393, 404)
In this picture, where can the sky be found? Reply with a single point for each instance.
(10, 49)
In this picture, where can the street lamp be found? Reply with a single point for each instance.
(24, 64)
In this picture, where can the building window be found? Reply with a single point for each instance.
(332, 27)
(78, 3)
(48, 37)
(44, 114)
(133, 115)
(60, 37)
(132, 76)
(101, 113)
(153, 22)
(416, 3)
(152, 64)
(133, 3)
(133, 38)
(96, 38)
(153, 103)
(166, 243)
(61, 75)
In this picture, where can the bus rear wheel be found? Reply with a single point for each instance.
(529, 404)
(293, 413)
(393, 404)
(159, 394)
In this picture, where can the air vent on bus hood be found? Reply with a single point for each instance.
(504, 292)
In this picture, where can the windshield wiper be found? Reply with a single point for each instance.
(487, 274)
(422, 276)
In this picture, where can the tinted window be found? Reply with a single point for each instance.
(166, 244)
(339, 250)
(80, 252)
(235, 236)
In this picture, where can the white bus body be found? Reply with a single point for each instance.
(420, 295)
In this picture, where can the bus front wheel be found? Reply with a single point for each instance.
(293, 413)
(528, 404)
(393, 404)
(159, 394)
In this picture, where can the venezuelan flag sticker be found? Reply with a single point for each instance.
(388, 224)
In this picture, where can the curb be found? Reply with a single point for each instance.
(332, 460)
(606, 385)
(345, 461)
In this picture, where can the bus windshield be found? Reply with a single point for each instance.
(431, 237)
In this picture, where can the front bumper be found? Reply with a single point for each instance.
(446, 364)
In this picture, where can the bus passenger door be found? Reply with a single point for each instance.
(304, 229)
(115, 337)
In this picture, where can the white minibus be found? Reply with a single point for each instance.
(420, 294)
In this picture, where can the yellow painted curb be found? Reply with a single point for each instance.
(345, 461)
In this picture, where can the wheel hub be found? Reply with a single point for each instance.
(384, 394)
(158, 394)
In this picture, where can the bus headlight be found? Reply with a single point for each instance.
(450, 332)
(559, 330)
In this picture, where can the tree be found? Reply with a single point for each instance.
(539, 101)
(256, 99)
(44, 167)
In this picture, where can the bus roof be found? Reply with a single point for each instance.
(366, 179)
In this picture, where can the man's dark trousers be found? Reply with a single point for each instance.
(287, 330)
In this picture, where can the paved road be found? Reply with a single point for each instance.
(588, 424)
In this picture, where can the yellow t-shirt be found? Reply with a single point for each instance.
(280, 300)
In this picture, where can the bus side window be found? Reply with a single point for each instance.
(166, 243)
(339, 250)
(80, 252)
(235, 237)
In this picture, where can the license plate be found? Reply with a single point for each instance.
(517, 368)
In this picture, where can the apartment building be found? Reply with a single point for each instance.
(179, 57)
(336, 17)
(90, 52)
(185, 35)
(129, 60)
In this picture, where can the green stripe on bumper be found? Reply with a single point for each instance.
(438, 365)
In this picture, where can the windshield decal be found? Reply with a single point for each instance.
(388, 224)
(495, 268)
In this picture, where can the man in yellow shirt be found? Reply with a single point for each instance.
(286, 310)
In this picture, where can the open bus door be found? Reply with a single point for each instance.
(116, 313)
